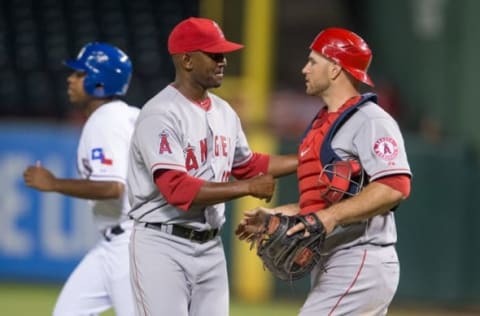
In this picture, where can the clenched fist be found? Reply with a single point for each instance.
(39, 178)
(262, 187)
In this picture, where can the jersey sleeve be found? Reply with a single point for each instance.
(107, 154)
(381, 149)
(258, 164)
(243, 153)
(160, 145)
(399, 182)
(177, 187)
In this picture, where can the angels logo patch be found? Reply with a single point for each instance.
(386, 148)
(164, 144)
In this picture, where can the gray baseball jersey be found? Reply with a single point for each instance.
(173, 133)
(168, 271)
(373, 137)
(358, 272)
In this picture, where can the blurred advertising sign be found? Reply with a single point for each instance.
(42, 235)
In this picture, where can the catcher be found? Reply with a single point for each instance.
(352, 173)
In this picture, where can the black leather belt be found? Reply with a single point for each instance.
(109, 232)
(184, 232)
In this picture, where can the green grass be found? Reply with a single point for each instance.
(31, 299)
(27, 299)
(24, 300)
(238, 308)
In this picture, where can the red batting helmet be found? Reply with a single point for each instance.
(346, 49)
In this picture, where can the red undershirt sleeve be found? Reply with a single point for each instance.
(399, 182)
(178, 187)
(258, 164)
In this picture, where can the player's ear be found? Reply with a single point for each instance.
(187, 61)
(334, 70)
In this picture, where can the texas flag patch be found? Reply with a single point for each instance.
(97, 154)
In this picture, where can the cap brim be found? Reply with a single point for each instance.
(74, 64)
(222, 47)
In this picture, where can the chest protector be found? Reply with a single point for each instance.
(323, 177)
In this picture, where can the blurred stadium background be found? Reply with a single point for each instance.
(425, 67)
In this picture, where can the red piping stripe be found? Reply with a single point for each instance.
(166, 164)
(390, 172)
(351, 285)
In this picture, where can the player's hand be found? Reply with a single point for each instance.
(39, 178)
(262, 187)
(326, 218)
(253, 223)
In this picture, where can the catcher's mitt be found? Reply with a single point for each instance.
(290, 257)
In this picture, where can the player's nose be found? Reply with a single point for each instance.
(304, 69)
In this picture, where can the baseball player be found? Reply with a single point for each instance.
(358, 272)
(186, 144)
(101, 73)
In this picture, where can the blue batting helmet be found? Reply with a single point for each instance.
(108, 69)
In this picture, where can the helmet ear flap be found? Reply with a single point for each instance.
(93, 87)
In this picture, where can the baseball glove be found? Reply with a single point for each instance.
(290, 257)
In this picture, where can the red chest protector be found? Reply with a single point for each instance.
(320, 169)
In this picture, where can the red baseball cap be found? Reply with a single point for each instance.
(199, 34)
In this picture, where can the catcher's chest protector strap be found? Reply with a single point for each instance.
(327, 154)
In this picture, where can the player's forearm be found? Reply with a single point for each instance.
(87, 189)
(375, 199)
(282, 165)
(213, 192)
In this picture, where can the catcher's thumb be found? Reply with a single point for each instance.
(295, 229)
